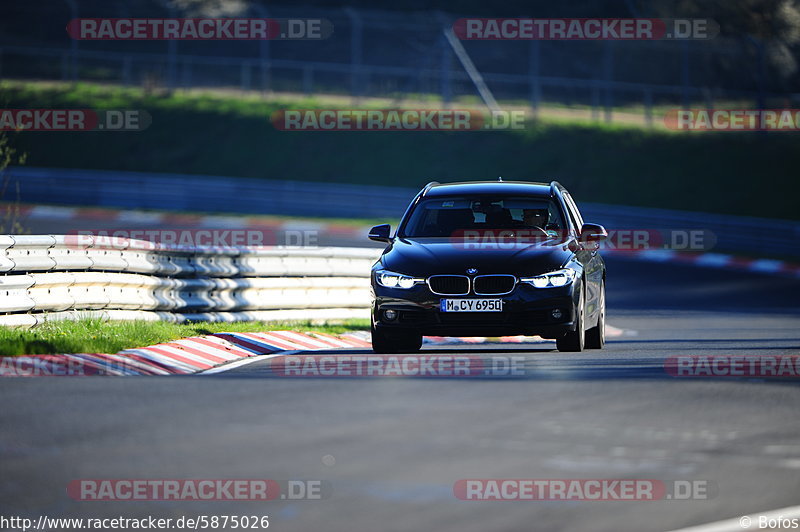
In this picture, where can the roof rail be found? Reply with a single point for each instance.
(428, 187)
(555, 186)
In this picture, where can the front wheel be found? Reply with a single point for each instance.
(596, 336)
(573, 341)
(395, 341)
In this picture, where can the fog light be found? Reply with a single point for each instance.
(390, 315)
(556, 313)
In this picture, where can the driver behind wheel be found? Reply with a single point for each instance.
(538, 219)
(535, 218)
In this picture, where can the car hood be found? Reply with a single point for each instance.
(429, 256)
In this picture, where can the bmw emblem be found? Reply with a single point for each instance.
(472, 271)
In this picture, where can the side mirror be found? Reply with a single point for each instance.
(593, 233)
(380, 233)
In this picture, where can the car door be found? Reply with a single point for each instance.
(589, 257)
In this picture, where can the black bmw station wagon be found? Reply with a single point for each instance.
(489, 259)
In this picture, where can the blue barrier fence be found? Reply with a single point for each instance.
(217, 194)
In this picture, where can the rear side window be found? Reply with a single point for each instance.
(573, 211)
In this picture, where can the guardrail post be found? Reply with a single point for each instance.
(263, 51)
(126, 70)
(308, 80)
(356, 55)
(186, 75)
(708, 98)
(266, 77)
(685, 75)
(533, 72)
(266, 73)
(73, 7)
(445, 72)
(64, 67)
(172, 51)
(245, 76)
(761, 71)
(608, 74)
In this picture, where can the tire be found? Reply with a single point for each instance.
(573, 341)
(596, 336)
(395, 342)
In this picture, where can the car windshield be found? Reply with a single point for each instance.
(451, 216)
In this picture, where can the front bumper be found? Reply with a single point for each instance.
(527, 311)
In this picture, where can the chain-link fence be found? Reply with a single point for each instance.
(395, 55)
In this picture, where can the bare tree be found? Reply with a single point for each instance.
(10, 216)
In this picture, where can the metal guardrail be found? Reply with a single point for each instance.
(66, 276)
(734, 234)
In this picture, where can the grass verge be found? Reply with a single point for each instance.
(605, 163)
(98, 336)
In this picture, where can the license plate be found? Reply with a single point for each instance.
(471, 305)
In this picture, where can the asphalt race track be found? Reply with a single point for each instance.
(392, 448)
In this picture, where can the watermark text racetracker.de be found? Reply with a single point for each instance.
(428, 365)
(199, 29)
(582, 29)
(312, 365)
(582, 489)
(46, 366)
(622, 239)
(74, 120)
(733, 119)
(137, 489)
(742, 366)
(396, 120)
(190, 238)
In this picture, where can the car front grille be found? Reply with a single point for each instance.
(494, 285)
(449, 285)
(482, 285)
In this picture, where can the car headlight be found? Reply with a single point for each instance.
(396, 280)
(551, 279)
